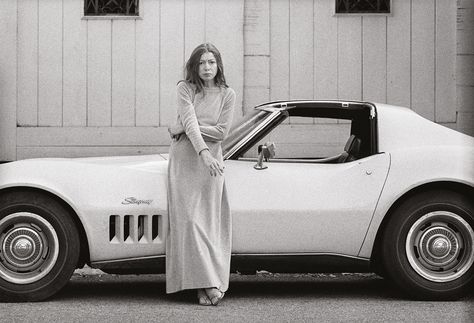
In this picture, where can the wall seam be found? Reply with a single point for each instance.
(111, 72)
(16, 67)
(270, 94)
(37, 63)
(184, 36)
(314, 45)
(362, 58)
(159, 64)
(135, 73)
(435, 59)
(205, 21)
(289, 50)
(15, 157)
(62, 63)
(411, 55)
(337, 57)
(386, 59)
(314, 58)
(87, 73)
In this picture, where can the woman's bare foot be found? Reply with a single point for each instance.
(215, 295)
(203, 298)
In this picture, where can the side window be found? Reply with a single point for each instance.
(322, 138)
(110, 7)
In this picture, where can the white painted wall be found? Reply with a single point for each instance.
(465, 66)
(76, 87)
(300, 49)
(8, 83)
(90, 87)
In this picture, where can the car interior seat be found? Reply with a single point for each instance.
(351, 150)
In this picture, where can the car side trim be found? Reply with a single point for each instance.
(298, 263)
(249, 263)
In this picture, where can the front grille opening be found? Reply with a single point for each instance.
(141, 226)
(154, 227)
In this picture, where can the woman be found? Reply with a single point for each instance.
(199, 238)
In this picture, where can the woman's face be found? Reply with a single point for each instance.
(207, 67)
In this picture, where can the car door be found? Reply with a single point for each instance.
(304, 207)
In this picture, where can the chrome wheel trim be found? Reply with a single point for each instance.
(29, 248)
(439, 246)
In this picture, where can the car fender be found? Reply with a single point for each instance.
(118, 190)
(416, 166)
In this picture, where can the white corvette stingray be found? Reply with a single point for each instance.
(347, 187)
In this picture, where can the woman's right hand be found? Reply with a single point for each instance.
(175, 131)
(215, 168)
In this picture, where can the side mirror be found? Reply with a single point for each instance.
(265, 152)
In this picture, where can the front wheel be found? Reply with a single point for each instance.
(428, 245)
(39, 246)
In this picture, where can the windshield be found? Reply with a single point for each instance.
(242, 127)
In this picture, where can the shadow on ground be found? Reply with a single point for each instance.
(266, 286)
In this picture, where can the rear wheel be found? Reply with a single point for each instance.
(39, 246)
(428, 246)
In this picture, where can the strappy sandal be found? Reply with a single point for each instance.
(215, 297)
(203, 298)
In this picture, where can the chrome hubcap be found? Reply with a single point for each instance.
(439, 246)
(28, 248)
(23, 247)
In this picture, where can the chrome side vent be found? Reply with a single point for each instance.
(128, 229)
(141, 227)
(114, 228)
(135, 228)
(155, 225)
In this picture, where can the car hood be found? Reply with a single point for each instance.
(113, 161)
(122, 160)
(48, 172)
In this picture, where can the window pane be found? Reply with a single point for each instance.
(307, 141)
(110, 7)
(362, 6)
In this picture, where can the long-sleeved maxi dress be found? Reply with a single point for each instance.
(199, 237)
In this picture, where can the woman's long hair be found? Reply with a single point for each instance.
(192, 66)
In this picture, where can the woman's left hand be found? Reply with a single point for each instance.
(215, 167)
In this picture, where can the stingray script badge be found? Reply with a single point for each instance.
(133, 200)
